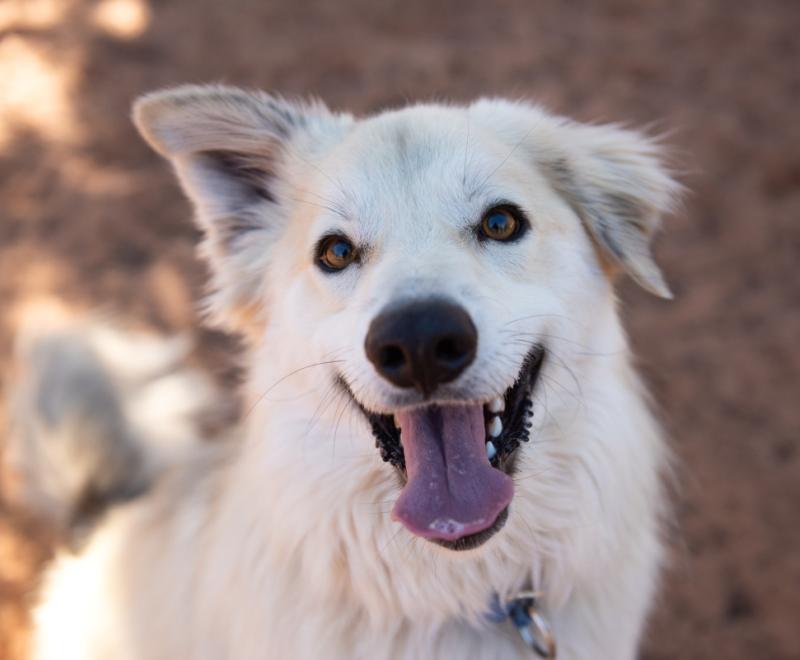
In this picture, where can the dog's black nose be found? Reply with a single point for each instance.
(422, 344)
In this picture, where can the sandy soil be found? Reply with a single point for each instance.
(90, 215)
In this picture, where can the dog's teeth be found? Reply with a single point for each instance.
(495, 427)
(497, 405)
(491, 450)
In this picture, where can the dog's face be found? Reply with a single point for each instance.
(440, 261)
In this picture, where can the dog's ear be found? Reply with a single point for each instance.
(613, 178)
(232, 151)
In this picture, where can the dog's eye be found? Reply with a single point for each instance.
(502, 223)
(335, 253)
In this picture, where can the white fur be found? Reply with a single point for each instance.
(282, 547)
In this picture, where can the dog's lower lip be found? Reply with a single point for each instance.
(472, 541)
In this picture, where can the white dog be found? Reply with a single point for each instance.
(436, 282)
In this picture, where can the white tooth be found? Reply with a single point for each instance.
(497, 405)
(495, 427)
(491, 450)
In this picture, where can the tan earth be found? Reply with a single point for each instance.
(90, 215)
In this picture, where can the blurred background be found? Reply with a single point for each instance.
(90, 217)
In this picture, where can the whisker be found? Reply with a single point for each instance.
(466, 152)
(283, 378)
(505, 160)
(320, 206)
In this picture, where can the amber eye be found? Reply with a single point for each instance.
(500, 224)
(335, 253)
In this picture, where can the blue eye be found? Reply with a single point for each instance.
(335, 253)
(501, 224)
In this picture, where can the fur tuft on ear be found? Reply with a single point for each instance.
(231, 150)
(616, 183)
(613, 178)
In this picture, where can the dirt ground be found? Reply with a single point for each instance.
(88, 214)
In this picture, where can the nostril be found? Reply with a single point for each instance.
(449, 350)
(392, 357)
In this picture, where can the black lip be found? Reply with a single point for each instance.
(516, 429)
(472, 541)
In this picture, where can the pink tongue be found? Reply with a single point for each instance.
(452, 490)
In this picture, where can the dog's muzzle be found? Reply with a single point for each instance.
(455, 457)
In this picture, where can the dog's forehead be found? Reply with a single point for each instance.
(407, 150)
(423, 163)
(417, 137)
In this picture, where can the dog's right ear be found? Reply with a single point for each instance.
(232, 150)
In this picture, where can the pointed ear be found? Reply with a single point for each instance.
(232, 150)
(614, 179)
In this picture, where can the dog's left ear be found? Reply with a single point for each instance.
(233, 151)
(613, 178)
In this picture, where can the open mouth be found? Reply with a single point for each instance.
(455, 460)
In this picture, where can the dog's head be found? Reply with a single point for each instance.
(439, 261)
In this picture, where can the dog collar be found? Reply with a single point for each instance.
(524, 614)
